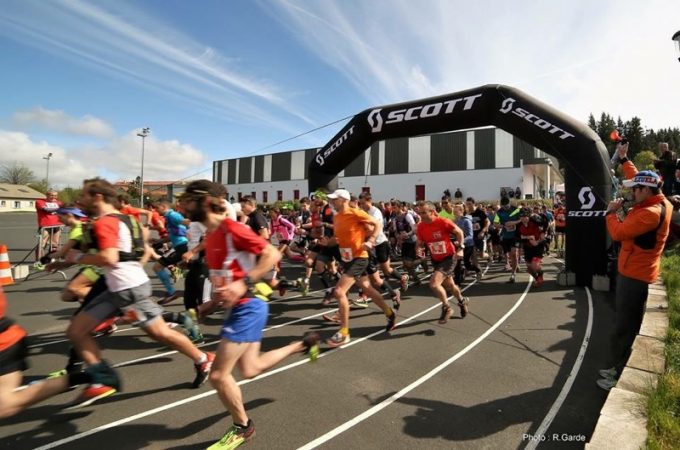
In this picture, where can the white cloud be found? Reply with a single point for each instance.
(578, 56)
(118, 159)
(56, 120)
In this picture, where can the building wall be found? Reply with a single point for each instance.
(10, 205)
(479, 161)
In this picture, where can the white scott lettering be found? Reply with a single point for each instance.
(323, 154)
(508, 106)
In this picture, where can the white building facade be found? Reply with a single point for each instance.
(481, 162)
(17, 197)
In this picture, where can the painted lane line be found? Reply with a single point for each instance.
(240, 383)
(385, 403)
(555, 408)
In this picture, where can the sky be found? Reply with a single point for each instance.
(218, 79)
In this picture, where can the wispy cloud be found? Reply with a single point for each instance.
(580, 56)
(59, 121)
(127, 43)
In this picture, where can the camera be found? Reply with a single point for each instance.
(618, 138)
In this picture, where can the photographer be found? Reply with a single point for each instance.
(667, 166)
(642, 234)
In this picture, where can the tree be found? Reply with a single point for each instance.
(70, 195)
(644, 160)
(40, 186)
(16, 173)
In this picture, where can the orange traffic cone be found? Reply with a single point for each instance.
(5, 270)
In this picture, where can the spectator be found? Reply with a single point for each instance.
(518, 193)
(666, 165)
(49, 225)
(642, 233)
(458, 195)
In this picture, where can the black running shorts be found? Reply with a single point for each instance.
(355, 268)
(382, 252)
(444, 266)
(13, 358)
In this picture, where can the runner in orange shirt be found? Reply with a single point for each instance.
(352, 236)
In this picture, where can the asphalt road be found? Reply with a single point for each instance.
(491, 380)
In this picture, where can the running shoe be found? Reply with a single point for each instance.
(607, 383)
(90, 395)
(234, 437)
(361, 302)
(463, 305)
(446, 314)
(282, 288)
(331, 318)
(202, 371)
(168, 299)
(327, 297)
(512, 278)
(396, 300)
(479, 275)
(105, 328)
(311, 342)
(391, 322)
(304, 287)
(176, 273)
(608, 373)
(403, 283)
(56, 374)
(193, 315)
(337, 340)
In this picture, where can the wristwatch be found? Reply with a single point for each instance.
(248, 281)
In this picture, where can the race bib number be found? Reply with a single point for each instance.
(475, 226)
(346, 254)
(437, 248)
(509, 227)
(274, 239)
(51, 206)
(560, 217)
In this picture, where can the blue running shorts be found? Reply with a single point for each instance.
(246, 322)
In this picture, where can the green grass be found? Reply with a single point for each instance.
(663, 406)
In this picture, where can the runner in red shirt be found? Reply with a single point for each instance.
(435, 232)
(532, 232)
(129, 210)
(237, 258)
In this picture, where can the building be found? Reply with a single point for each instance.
(481, 162)
(17, 197)
(156, 190)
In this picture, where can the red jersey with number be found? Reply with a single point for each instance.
(560, 217)
(531, 229)
(437, 236)
(47, 213)
(233, 246)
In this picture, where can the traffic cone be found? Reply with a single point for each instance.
(5, 270)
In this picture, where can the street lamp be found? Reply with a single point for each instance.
(145, 132)
(47, 176)
(676, 38)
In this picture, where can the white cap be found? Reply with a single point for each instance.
(340, 193)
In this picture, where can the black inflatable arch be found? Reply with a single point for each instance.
(579, 149)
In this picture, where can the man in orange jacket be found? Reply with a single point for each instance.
(642, 234)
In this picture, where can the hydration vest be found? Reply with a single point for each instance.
(135, 232)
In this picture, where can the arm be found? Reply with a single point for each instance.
(632, 226)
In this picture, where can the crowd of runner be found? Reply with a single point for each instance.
(230, 258)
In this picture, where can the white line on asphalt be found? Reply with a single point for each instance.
(543, 428)
(240, 383)
(385, 403)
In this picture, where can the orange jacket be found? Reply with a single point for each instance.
(14, 333)
(635, 261)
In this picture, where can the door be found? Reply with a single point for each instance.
(420, 192)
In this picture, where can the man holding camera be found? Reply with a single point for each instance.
(642, 233)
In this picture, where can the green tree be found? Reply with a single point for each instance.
(644, 160)
(70, 195)
(16, 173)
(40, 186)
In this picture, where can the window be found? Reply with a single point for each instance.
(252, 194)
(264, 196)
(366, 189)
(296, 194)
(24, 190)
(31, 204)
(279, 196)
(17, 204)
(3, 203)
(240, 196)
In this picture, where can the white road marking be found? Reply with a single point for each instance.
(555, 408)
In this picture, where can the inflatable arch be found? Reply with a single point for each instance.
(579, 149)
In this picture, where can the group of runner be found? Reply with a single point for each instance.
(231, 255)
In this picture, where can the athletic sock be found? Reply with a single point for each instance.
(344, 331)
(164, 276)
(386, 285)
(202, 359)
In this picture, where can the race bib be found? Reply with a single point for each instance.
(475, 226)
(274, 239)
(560, 217)
(51, 206)
(437, 248)
(509, 227)
(346, 254)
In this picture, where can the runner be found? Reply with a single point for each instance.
(354, 241)
(232, 252)
(560, 227)
(464, 222)
(435, 232)
(507, 219)
(166, 267)
(532, 232)
(120, 247)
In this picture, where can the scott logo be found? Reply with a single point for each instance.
(375, 119)
(508, 106)
(323, 154)
(586, 197)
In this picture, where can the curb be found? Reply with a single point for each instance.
(623, 418)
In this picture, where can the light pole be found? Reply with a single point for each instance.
(145, 132)
(676, 38)
(47, 176)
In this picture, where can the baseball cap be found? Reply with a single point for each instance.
(340, 193)
(644, 178)
(71, 210)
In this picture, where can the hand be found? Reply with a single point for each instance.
(368, 245)
(228, 295)
(73, 256)
(614, 205)
(186, 257)
(622, 149)
(460, 253)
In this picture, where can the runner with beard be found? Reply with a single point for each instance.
(435, 232)
(238, 259)
(532, 232)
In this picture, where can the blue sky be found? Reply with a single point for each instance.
(220, 79)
